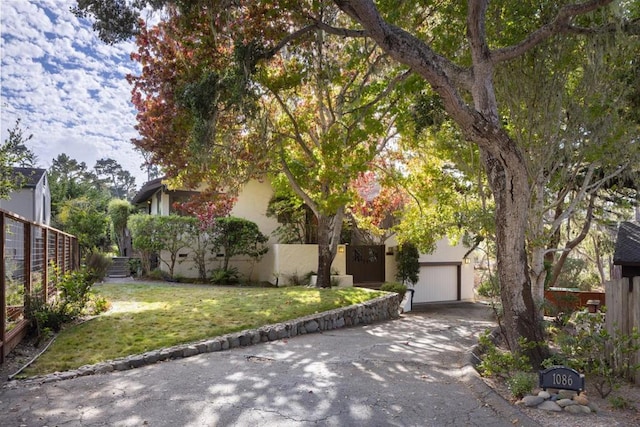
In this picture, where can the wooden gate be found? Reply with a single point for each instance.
(366, 263)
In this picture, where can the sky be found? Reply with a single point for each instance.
(66, 85)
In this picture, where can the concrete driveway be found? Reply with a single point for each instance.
(407, 372)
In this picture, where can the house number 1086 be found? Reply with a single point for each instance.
(562, 379)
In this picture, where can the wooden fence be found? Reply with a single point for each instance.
(569, 301)
(30, 252)
(623, 309)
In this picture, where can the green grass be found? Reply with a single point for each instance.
(148, 317)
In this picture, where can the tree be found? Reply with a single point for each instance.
(14, 153)
(172, 233)
(296, 220)
(143, 235)
(84, 219)
(70, 180)
(460, 70)
(238, 236)
(120, 182)
(119, 212)
(407, 259)
(376, 207)
(320, 135)
(204, 209)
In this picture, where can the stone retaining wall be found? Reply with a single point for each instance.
(378, 309)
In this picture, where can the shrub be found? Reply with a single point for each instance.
(489, 288)
(72, 299)
(157, 274)
(407, 259)
(296, 279)
(221, 276)
(500, 362)
(396, 287)
(98, 264)
(620, 402)
(97, 304)
(135, 266)
(521, 383)
(591, 349)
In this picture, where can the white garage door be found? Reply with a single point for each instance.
(437, 283)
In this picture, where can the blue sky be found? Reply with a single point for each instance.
(66, 85)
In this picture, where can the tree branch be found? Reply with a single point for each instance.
(561, 23)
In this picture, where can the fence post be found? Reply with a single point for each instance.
(27, 261)
(634, 320)
(613, 296)
(3, 290)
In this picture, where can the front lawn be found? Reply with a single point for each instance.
(148, 316)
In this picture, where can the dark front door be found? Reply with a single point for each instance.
(366, 263)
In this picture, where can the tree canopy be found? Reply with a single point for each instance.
(456, 48)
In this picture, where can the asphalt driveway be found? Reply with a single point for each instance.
(408, 372)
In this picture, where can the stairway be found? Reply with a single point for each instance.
(119, 267)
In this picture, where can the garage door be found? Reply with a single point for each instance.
(437, 283)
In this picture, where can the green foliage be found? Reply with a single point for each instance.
(498, 362)
(161, 235)
(522, 383)
(14, 153)
(606, 357)
(575, 274)
(238, 236)
(157, 274)
(292, 216)
(119, 211)
(172, 235)
(73, 296)
(489, 288)
(135, 266)
(296, 279)
(97, 304)
(396, 287)
(143, 229)
(200, 244)
(86, 220)
(117, 181)
(620, 402)
(98, 264)
(225, 276)
(407, 258)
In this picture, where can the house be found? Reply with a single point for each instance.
(33, 199)
(444, 275)
(627, 252)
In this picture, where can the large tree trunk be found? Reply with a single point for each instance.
(481, 124)
(329, 229)
(522, 319)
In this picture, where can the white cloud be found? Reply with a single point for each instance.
(66, 85)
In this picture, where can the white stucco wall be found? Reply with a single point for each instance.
(299, 259)
(252, 204)
(445, 253)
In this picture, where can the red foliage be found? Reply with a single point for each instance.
(207, 206)
(376, 201)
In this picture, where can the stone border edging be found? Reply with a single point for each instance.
(378, 309)
(487, 394)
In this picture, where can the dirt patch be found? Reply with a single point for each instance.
(20, 356)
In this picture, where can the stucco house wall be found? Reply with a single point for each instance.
(251, 204)
(444, 275)
(438, 279)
